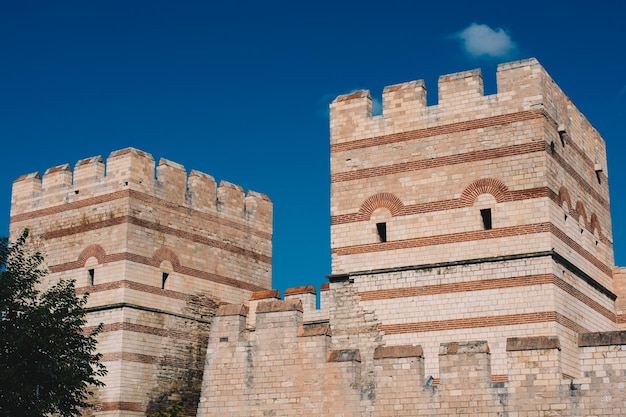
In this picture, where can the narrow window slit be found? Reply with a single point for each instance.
(92, 275)
(163, 279)
(382, 231)
(486, 215)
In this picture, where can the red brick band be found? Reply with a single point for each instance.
(442, 161)
(214, 243)
(444, 239)
(131, 257)
(172, 361)
(579, 179)
(149, 289)
(482, 322)
(470, 156)
(489, 284)
(146, 198)
(438, 130)
(433, 206)
(561, 235)
(456, 287)
(475, 235)
(138, 328)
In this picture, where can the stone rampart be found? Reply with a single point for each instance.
(157, 250)
(286, 367)
(134, 170)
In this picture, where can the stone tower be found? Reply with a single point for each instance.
(158, 252)
(478, 218)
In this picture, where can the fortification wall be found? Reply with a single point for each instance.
(157, 250)
(421, 169)
(152, 358)
(281, 367)
(285, 367)
(457, 221)
(156, 218)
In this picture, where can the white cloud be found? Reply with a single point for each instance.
(478, 40)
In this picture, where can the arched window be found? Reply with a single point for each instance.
(486, 205)
(91, 265)
(166, 270)
(380, 221)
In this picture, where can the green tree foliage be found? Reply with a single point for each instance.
(47, 363)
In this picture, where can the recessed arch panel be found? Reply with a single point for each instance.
(166, 254)
(485, 186)
(594, 223)
(564, 197)
(95, 251)
(380, 200)
(580, 210)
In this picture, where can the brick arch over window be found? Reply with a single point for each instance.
(386, 200)
(95, 251)
(594, 223)
(564, 197)
(580, 211)
(485, 186)
(165, 254)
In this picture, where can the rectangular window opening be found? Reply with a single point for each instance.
(92, 275)
(382, 231)
(163, 279)
(486, 215)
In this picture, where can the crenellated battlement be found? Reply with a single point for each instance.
(522, 86)
(305, 295)
(301, 365)
(132, 170)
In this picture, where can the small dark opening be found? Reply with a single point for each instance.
(92, 275)
(223, 339)
(486, 215)
(382, 231)
(163, 279)
(562, 134)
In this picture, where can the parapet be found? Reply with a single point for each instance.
(302, 298)
(522, 86)
(132, 170)
(281, 364)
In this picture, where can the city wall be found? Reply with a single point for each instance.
(286, 366)
(481, 217)
(157, 250)
(472, 267)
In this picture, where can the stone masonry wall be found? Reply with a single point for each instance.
(478, 217)
(287, 367)
(157, 250)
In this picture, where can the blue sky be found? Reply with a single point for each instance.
(240, 90)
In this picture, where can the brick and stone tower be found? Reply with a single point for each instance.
(479, 218)
(158, 254)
